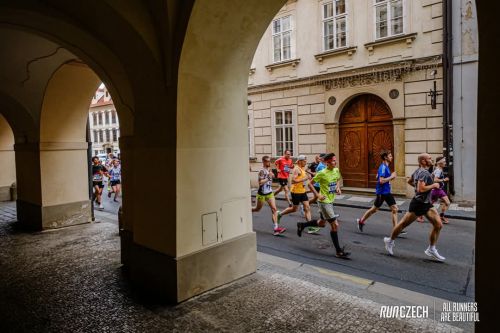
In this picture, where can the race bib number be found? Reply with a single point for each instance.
(287, 168)
(332, 187)
(97, 177)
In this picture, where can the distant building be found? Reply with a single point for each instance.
(104, 124)
(356, 77)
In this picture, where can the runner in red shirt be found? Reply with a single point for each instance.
(285, 166)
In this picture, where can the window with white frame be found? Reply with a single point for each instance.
(388, 18)
(282, 39)
(334, 25)
(283, 127)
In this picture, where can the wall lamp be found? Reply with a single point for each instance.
(433, 92)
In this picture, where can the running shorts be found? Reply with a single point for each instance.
(265, 197)
(327, 210)
(437, 193)
(283, 181)
(297, 198)
(384, 197)
(100, 184)
(115, 182)
(419, 208)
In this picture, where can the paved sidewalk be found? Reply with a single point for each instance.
(455, 211)
(69, 280)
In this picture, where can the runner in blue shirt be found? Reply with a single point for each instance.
(383, 192)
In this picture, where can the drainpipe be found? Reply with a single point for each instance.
(89, 168)
(448, 92)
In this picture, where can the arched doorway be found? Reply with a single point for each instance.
(365, 130)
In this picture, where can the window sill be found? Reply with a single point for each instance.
(347, 50)
(408, 38)
(293, 63)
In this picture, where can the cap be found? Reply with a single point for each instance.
(301, 158)
(328, 156)
(322, 155)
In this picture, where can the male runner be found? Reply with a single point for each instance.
(115, 177)
(300, 181)
(439, 193)
(383, 192)
(265, 193)
(284, 165)
(420, 205)
(328, 181)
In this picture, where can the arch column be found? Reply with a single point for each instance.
(7, 159)
(399, 185)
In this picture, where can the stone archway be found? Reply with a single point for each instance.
(365, 130)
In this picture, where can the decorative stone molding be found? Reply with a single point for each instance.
(251, 71)
(408, 38)
(345, 50)
(293, 63)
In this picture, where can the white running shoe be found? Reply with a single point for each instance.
(389, 244)
(433, 253)
(101, 206)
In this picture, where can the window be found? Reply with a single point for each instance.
(388, 18)
(100, 118)
(96, 152)
(107, 136)
(334, 25)
(95, 137)
(115, 135)
(113, 117)
(283, 124)
(282, 37)
(94, 117)
(106, 117)
(101, 139)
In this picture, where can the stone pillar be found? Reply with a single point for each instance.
(65, 184)
(29, 194)
(7, 160)
(399, 185)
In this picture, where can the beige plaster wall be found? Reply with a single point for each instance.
(423, 17)
(212, 155)
(63, 147)
(7, 156)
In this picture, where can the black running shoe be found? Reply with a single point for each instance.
(360, 225)
(342, 254)
(300, 228)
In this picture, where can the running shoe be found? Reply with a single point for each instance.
(300, 228)
(433, 253)
(360, 225)
(403, 232)
(445, 220)
(278, 231)
(302, 211)
(313, 230)
(109, 194)
(420, 219)
(389, 244)
(343, 254)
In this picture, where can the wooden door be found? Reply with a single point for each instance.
(365, 130)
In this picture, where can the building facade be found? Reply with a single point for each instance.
(350, 77)
(104, 124)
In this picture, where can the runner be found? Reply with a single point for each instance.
(284, 165)
(439, 193)
(383, 192)
(98, 172)
(328, 180)
(115, 176)
(420, 205)
(320, 166)
(300, 181)
(265, 193)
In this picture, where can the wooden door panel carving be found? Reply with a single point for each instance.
(365, 130)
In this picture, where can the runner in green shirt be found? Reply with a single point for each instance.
(328, 180)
